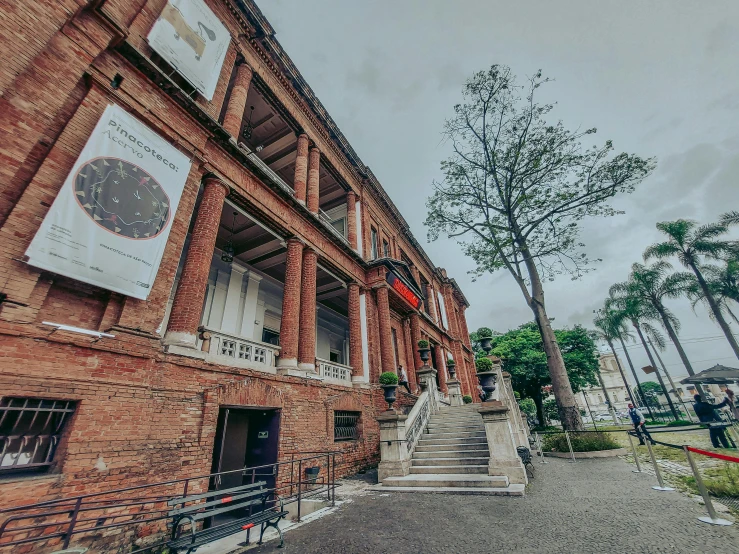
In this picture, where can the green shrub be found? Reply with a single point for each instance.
(528, 406)
(581, 442)
(450, 363)
(484, 333)
(679, 423)
(467, 399)
(388, 378)
(423, 344)
(483, 364)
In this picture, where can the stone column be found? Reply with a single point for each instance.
(301, 169)
(441, 367)
(187, 306)
(431, 302)
(307, 344)
(351, 219)
(356, 358)
(415, 337)
(314, 160)
(237, 102)
(230, 319)
(504, 459)
(386, 342)
(289, 332)
(394, 457)
(427, 381)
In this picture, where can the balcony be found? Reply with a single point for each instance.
(333, 372)
(233, 350)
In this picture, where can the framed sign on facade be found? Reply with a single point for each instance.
(109, 224)
(190, 37)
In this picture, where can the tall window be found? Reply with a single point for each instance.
(385, 248)
(374, 243)
(30, 431)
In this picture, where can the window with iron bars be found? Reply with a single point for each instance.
(346, 425)
(30, 431)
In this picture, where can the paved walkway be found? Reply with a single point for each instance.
(593, 506)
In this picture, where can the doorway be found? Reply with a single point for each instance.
(245, 437)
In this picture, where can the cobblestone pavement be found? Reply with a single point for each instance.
(592, 506)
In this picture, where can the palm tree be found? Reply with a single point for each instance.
(638, 311)
(691, 243)
(723, 282)
(610, 328)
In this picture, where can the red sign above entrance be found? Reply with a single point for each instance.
(401, 288)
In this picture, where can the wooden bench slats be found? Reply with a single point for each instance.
(208, 535)
(218, 502)
(194, 497)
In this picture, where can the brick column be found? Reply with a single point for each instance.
(463, 324)
(351, 219)
(356, 358)
(307, 343)
(187, 306)
(441, 367)
(415, 337)
(386, 335)
(431, 302)
(289, 332)
(314, 159)
(451, 316)
(237, 102)
(301, 169)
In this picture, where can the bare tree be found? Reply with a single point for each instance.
(514, 192)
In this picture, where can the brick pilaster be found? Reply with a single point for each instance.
(314, 160)
(386, 341)
(307, 342)
(188, 301)
(463, 324)
(415, 322)
(237, 102)
(356, 358)
(301, 169)
(289, 331)
(351, 219)
(431, 302)
(451, 315)
(410, 354)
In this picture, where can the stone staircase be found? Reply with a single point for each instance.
(452, 456)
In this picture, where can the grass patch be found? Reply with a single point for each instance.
(679, 423)
(581, 442)
(720, 481)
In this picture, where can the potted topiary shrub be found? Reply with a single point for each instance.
(485, 336)
(389, 384)
(423, 350)
(451, 366)
(486, 376)
(467, 399)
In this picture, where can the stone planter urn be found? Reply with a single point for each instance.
(425, 354)
(485, 343)
(389, 391)
(487, 382)
(452, 368)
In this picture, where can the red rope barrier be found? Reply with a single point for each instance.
(714, 454)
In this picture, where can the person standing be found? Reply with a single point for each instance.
(732, 405)
(637, 418)
(403, 378)
(707, 414)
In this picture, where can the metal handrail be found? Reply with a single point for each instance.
(75, 507)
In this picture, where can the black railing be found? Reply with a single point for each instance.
(145, 505)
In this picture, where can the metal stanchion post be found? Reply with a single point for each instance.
(541, 452)
(569, 444)
(661, 486)
(712, 518)
(636, 457)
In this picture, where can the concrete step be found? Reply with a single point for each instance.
(480, 460)
(448, 480)
(451, 440)
(454, 446)
(457, 425)
(448, 452)
(451, 434)
(450, 429)
(439, 470)
(510, 490)
(471, 417)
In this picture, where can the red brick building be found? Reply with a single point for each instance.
(288, 283)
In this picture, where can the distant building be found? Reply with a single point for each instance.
(618, 395)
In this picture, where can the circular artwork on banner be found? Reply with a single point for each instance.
(122, 198)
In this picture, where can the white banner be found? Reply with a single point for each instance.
(193, 40)
(111, 219)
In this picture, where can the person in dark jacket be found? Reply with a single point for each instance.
(707, 414)
(637, 418)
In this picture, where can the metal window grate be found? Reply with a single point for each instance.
(346, 425)
(30, 429)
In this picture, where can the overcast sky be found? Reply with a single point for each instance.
(659, 78)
